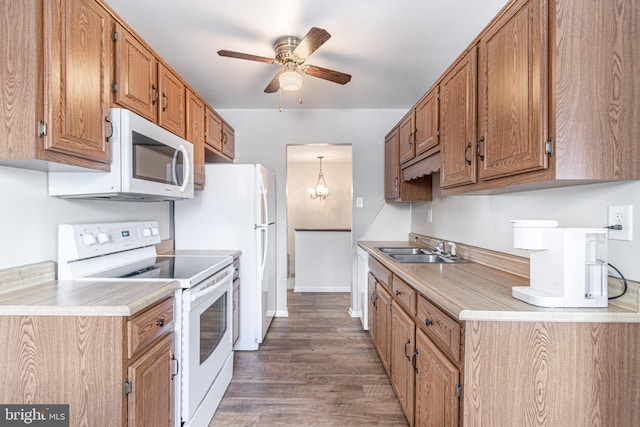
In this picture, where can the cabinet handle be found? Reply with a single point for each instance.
(405, 349)
(410, 139)
(154, 94)
(413, 361)
(166, 102)
(160, 322)
(465, 154)
(428, 322)
(478, 148)
(234, 306)
(108, 137)
(398, 293)
(173, 359)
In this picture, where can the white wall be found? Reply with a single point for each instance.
(304, 212)
(484, 220)
(29, 218)
(263, 135)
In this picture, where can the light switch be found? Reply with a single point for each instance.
(359, 202)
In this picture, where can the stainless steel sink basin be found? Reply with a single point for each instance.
(418, 255)
(403, 251)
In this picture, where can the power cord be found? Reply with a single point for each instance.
(624, 280)
(615, 227)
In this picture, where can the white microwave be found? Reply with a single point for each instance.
(148, 163)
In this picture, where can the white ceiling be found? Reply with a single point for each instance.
(394, 49)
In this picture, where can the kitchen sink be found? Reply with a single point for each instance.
(403, 251)
(418, 255)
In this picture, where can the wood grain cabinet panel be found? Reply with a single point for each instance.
(213, 131)
(442, 329)
(383, 326)
(172, 101)
(437, 403)
(392, 165)
(402, 348)
(373, 307)
(513, 92)
(136, 81)
(195, 109)
(458, 123)
(228, 141)
(407, 146)
(427, 122)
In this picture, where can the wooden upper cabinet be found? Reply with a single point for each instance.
(136, 86)
(77, 77)
(228, 141)
(213, 131)
(195, 135)
(391, 165)
(426, 122)
(406, 143)
(172, 101)
(458, 123)
(513, 92)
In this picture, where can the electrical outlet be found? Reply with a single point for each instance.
(621, 215)
(429, 216)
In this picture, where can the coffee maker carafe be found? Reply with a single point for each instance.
(568, 266)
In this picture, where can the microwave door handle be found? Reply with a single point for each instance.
(187, 168)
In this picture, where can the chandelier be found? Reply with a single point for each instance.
(320, 191)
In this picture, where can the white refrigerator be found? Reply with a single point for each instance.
(236, 210)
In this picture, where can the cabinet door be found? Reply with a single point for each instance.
(228, 141)
(136, 76)
(391, 166)
(436, 381)
(458, 123)
(403, 330)
(383, 326)
(77, 77)
(513, 92)
(172, 101)
(213, 131)
(426, 128)
(195, 135)
(407, 148)
(371, 314)
(150, 402)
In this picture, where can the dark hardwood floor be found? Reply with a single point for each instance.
(315, 368)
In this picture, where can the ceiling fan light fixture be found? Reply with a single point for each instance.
(291, 78)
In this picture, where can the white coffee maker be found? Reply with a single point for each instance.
(568, 266)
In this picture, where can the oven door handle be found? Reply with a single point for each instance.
(211, 289)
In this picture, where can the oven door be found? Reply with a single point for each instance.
(206, 337)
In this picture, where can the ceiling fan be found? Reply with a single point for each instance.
(292, 52)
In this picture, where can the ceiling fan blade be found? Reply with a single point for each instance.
(315, 38)
(239, 55)
(274, 84)
(327, 74)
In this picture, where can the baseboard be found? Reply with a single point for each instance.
(323, 289)
(282, 313)
(355, 313)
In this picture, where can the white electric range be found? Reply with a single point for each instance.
(203, 304)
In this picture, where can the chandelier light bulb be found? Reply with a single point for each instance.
(320, 191)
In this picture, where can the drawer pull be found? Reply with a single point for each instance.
(405, 349)
(413, 361)
(428, 322)
(160, 322)
(398, 293)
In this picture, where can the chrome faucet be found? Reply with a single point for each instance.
(439, 249)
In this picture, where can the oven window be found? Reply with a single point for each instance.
(213, 325)
(154, 161)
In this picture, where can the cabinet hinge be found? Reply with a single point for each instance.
(42, 128)
(127, 387)
(438, 132)
(114, 35)
(459, 391)
(548, 147)
(438, 96)
(114, 87)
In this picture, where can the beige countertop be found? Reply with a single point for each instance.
(22, 293)
(474, 291)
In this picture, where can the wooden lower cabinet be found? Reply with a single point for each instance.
(403, 330)
(383, 326)
(437, 379)
(112, 371)
(372, 297)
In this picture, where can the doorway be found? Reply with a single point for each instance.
(320, 225)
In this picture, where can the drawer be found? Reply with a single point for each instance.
(381, 273)
(404, 294)
(442, 329)
(145, 327)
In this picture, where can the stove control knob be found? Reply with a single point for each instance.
(88, 239)
(155, 231)
(146, 232)
(103, 237)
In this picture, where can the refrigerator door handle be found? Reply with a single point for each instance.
(264, 251)
(264, 212)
